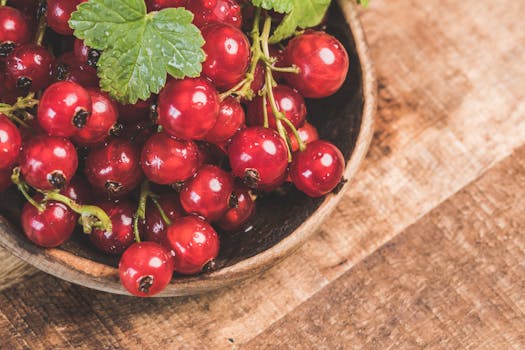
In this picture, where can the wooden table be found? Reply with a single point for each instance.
(427, 249)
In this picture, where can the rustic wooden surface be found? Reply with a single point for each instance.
(427, 249)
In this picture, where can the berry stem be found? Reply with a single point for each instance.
(24, 189)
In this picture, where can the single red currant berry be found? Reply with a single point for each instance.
(14, 30)
(288, 101)
(10, 142)
(84, 54)
(156, 5)
(188, 108)
(78, 190)
(231, 119)
(50, 227)
(5, 179)
(121, 235)
(68, 68)
(238, 214)
(48, 162)
(58, 14)
(307, 133)
(166, 160)
(193, 243)
(258, 155)
(28, 67)
(208, 193)
(154, 227)
(101, 122)
(215, 11)
(64, 109)
(322, 61)
(228, 55)
(145, 269)
(317, 170)
(114, 168)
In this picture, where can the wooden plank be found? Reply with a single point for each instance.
(455, 279)
(450, 108)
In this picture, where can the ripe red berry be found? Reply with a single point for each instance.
(48, 162)
(114, 168)
(258, 156)
(166, 160)
(145, 269)
(14, 30)
(307, 133)
(10, 142)
(208, 193)
(243, 209)
(322, 61)
(121, 235)
(154, 227)
(230, 120)
(317, 170)
(188, 108)
(215, 11)
(51, 227)
(58, 14)
(288, 101)
(193, 243)
(28, 67)
(68, 68)
(104, 115)
(64, 109)
(228, 55)
(156, 5)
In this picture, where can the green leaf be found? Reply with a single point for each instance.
(138, 49)
(304, 14)
(281, 6)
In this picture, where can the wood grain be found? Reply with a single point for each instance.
(452, 105)
(453, 280)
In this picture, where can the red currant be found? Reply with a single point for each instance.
(58, 14)
(14, 30)
(51, 227)
(29, 66)
(193, 243)
(156, 5)
(317, 170)
(307, 133)
(322, 61)
(188, 108)
(243, 209)
(154, 228)
(48, 162)
(258, 155)
(64, 109)
(114, 168)
(288, 101)
(208, 193)
(69, 68)
(228, 54)
(121, 235)
(166, 160)
(104, 115)
(10, 142)
(215, 11)
(145, 269)
(231, 119)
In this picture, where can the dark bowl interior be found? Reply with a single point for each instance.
(338, 119)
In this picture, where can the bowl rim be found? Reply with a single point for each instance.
(83, 271)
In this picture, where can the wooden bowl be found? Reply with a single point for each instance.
(283, 221)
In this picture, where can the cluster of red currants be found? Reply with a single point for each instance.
(194, 157)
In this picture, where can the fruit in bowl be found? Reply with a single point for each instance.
(204, 153)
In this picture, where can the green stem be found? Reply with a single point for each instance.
(140, 214)
(163, 215)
